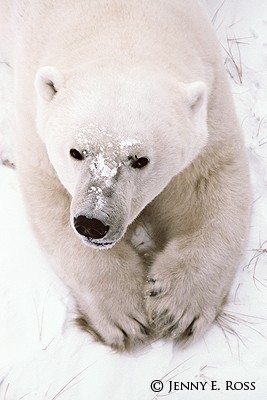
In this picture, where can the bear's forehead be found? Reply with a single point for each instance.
(105, 149)
(94, 139)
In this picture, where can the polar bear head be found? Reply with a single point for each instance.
(116, 140)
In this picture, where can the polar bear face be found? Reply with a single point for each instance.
(116, 141)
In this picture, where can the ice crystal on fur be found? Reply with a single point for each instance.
(99, 197)
(106, 156)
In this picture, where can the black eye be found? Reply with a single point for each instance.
(76, 154)
(140, 162)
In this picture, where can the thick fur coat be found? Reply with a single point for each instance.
(125, 121)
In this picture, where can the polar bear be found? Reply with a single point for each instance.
(125, 121)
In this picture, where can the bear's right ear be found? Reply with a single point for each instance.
(48, 81)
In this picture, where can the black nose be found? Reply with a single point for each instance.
(90, 227)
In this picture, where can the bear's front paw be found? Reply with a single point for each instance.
(121, 333)
(113, 311)
(179, 306)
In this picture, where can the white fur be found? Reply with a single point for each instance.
(47, 82)
(117, 80)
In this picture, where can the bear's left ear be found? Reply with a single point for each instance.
(197, 96)
(48, 81)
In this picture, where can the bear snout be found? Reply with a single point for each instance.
(91, 228)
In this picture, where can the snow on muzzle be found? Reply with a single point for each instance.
(99, 217)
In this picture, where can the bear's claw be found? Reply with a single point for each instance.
(116, 335)
(174, 314)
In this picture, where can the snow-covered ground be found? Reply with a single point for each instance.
(43, 356)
